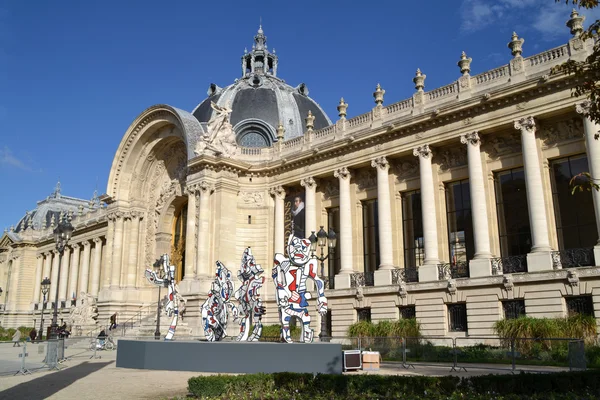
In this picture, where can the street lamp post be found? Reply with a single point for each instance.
(45, 288)
(62, 235)
(0, 291)
(157, 265)
(321, 239)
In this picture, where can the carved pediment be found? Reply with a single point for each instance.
(451, 157)
(554, 133)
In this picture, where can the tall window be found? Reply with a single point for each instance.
(333, 222)
(363, 314)
(370, 235)
(457, 317)
(460, 225)
(407, 312)
(412, 226)
(575, 218)
(582, 305)
(513, 213)
(513, 309)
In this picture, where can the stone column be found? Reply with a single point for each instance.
(74, 271)
(117, 251)
(110, 234)
(47, 265)
(383, 275)
(134, 237)
(94, 286)
(428, 272)
(480, 265)
(342, 280)
(278, 194)
(39, 266)
(54, 275)
(190, 233)
(64, 274)
(203, 251)
(14, 283)
(85, 267)
(310, 199)
(593, 152)
(539, 259)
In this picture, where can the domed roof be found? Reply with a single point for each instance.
(260, 101)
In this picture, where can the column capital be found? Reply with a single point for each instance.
(87, 243)
(309, 182)
(115, 215)
(342, 173)
(75, 246)
(471, 138)
(380, 163)
(40, 255)
(205, 187)
(526, 124)
(136, 214)
(583, 108)
(422, 151)
(278, 192)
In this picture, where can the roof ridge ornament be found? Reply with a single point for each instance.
(259, 60)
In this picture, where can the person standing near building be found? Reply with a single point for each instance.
(32, 335)
(113, 322)
(17, 339)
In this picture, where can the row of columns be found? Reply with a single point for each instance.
(538, 259)
(80, 270)
(122, 259)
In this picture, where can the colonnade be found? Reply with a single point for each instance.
(538, 259)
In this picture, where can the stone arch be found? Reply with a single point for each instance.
(152, 127)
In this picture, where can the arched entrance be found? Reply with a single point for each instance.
(178, 241)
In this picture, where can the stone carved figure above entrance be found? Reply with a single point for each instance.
(220, 138)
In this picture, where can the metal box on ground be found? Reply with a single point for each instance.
(352, 360)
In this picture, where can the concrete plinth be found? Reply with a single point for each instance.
(480, 267)
(541, 261)
(383, 277)
(231, 357)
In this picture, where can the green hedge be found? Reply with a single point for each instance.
(565, 385)
(272, 333)
(400, 328)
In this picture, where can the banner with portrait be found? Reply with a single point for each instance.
(294, 215)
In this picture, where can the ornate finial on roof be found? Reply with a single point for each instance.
(419, 80)
(465, 64)
(342, 107)
(280, 131)
(378, 95)
(516, 45)
(310, 121)
(575, 24)
(53, 221)
(12, 228)
(44, 223)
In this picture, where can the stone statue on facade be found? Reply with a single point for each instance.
(85, 312)
(220, 139)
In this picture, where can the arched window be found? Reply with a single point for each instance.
(254, 133)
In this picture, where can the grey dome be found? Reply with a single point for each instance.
(260, 101)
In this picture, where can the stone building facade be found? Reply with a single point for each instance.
(453, 205)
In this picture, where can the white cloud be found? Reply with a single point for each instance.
(475, 14)
(8, 159)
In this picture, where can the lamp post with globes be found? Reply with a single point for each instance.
(45, 287)
(322, 239)
(0, 294)
(62, 235)
(157, 265)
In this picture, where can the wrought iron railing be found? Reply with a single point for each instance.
(406, 275)
(362, 279)
(509, 265)
(571, 258)
(453, 270)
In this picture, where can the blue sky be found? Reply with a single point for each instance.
(75, 74)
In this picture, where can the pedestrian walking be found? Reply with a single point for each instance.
(17, 339)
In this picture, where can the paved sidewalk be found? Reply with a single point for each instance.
(85, 378)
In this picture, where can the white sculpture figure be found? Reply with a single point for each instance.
(220, 139)
(168, 281)
(85, 312)
(290, 275)
(249, 297)
(215, 308)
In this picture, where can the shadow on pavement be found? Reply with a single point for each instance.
(47, 385)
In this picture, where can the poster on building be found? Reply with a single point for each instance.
(294, 214)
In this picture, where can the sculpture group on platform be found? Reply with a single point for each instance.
(168, 281)
(215, 310)
(290, 275)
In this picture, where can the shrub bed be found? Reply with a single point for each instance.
(565, 385)
(6, 334)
